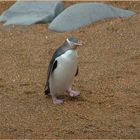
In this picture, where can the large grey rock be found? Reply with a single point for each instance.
(30, 12)
(82, 14)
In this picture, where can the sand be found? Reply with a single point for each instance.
(109, 81)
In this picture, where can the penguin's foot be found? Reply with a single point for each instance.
(57, 101)
(73, 93)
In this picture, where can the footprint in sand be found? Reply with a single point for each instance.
(24, 84)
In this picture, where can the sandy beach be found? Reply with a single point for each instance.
(108, 79)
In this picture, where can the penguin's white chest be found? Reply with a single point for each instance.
(62, 77)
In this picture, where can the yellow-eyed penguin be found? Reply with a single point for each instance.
(62, 70)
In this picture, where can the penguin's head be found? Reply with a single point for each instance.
(73, 42)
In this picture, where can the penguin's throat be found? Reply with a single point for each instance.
(73, 47)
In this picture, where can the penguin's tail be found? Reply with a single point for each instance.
(47, 92)
(47, 89)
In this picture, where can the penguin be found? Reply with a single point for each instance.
(62, 69)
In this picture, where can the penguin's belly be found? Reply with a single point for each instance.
(62, 77)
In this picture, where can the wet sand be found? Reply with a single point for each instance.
(108, 79)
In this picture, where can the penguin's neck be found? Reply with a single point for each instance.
(71, 54)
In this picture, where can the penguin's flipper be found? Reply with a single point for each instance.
(77, 71)
(52, 67)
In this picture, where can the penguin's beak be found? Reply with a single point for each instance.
(79, 43)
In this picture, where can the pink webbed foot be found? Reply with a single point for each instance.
(73, 93)
(57, 101)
